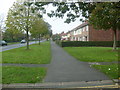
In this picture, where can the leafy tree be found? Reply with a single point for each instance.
(56, 37)
(72, 10)
(106, 16)
(39, 28)
(47, 36)
(1, 26)
(12, 33)
(23, 14)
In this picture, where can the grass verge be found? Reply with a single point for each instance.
(38, 54)
(14, 74)
(110, 70)
(13, 43)
(93, 54)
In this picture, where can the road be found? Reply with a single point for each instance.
(12, 46)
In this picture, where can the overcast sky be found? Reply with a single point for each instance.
(57, 24)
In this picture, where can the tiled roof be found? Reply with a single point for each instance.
(63, 34)
(81, 25)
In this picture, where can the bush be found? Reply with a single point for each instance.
(87, 43)
(58, 42)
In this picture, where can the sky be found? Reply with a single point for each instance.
(57, 24)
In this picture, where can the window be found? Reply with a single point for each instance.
(80, 39)
(87, 28)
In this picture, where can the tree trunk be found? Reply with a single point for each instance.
(39, 38)
(27, 39)
(27, 29)
(115, 42)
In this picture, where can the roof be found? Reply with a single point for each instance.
(63, 34)
(81, 25)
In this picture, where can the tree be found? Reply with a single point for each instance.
(23, 14)
(56, 37)
(72, 10)
(39, 28)
(1, 26)
(106, 16)
(12, 33)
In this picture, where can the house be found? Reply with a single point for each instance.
(63, 36)
(86, 32)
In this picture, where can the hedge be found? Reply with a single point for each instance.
(87, 43)
(59, 42)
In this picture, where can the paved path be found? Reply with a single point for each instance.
(65, 68)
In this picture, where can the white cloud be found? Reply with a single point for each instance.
(4, 7)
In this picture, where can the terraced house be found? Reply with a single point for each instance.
(85, 32)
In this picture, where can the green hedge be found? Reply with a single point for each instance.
(58, 42)
(87, 43)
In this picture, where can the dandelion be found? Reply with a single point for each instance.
(109, 69)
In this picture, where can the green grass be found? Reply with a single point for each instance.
(13, 43)
(0, 75)
(14, 74)
(109, 70)
(93, 54)
(38, 54)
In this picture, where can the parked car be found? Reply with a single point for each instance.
(23, 41)
(3, 43)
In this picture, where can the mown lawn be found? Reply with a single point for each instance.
(0, 75)
(10, 43)
(109, 70)
(93, 54)
(38, 54)
(14, 74)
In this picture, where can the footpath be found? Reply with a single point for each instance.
(65, 68)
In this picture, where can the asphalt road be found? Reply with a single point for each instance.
(12, 46)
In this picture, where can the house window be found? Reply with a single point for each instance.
(80, 39)
(73, 38)
(87, 28)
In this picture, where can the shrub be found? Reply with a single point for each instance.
(87, 43)
(58, 42)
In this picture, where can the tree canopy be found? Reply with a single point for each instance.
(39, 28)
(22, 15)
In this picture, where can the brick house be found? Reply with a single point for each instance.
(86, 32)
